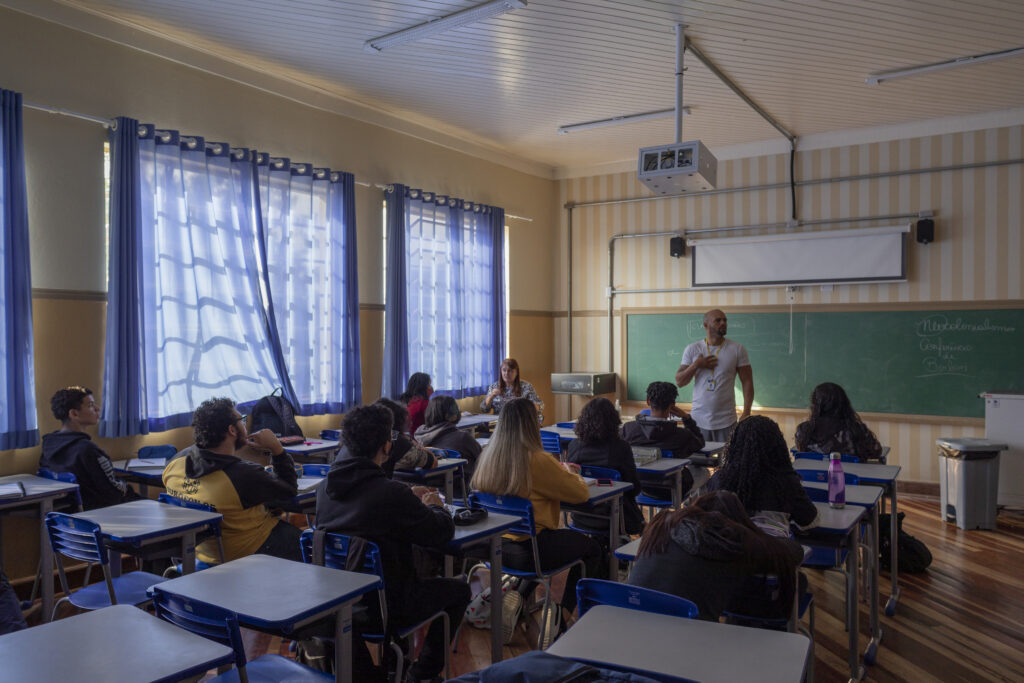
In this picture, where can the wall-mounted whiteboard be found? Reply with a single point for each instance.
(854, 255)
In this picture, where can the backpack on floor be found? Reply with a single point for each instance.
(913, 555)
(276, 413)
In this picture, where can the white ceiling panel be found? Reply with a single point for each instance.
(511, 81)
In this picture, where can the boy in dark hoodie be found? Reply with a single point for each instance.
(357, 498)
(210, 472)
(70, 449)
(660, 431)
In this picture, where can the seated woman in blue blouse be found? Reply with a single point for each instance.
(508, 387)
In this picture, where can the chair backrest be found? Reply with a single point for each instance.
(599, 592)
(565, 425)
(330, 434)
(814, 455)
(822, 476)
(551, 442)
(314, 470)
(209, 621)
(645, 411)
(336, 550)
(507, 505)
(166, 452)
(665, 453)
(817, 495)
(66, 477)
(595, 472)
(76, 538)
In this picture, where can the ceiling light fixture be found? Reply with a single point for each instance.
(881, 76)
(470, 15)
(616, 120)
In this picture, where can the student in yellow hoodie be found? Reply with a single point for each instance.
(514, 463)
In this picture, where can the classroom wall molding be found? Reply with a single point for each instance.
(69, 294)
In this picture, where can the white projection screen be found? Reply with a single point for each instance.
(854, 255)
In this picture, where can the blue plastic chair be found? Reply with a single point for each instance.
(336, 551)
(565, 425)
(822, 476)
(595, 472)
(221, 625)
(84, 541)
(66, 477)
(814, 455)
(593, 592)
(645, 411)
(805, 603)
(166, 452)
(523, 509)
(551, 442)
(330, 434)
(313, 470)
(213, 532)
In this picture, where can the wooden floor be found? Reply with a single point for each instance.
(963, 620)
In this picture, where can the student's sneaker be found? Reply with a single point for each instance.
(511, 610)
(552, 620)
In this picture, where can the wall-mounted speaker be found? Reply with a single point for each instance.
(677, 247)
(925, 230)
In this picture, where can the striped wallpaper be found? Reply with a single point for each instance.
(976, 257)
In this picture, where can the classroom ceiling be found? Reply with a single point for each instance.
(509, 82)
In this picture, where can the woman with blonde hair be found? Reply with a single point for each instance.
(514, 463)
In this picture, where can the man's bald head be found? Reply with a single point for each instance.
(715, 323)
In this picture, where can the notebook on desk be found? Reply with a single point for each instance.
(145, 463)
(12, 490)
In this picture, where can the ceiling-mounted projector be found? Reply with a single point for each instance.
(678, 167)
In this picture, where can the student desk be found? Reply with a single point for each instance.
(471, 422)
(839, 528)
(40, 494)
(119, 642)
(489, 531)
(665, 469)
(885, 476)
(279, 596)
(143, 475)
(698, 650)
(446, 467)
(611, 495)
(866, 497)
(140, 523)
(313, 450)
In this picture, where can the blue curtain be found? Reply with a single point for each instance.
(453, 310)
(188, 318)
(396, 328)
(18, 426)
(309, 215)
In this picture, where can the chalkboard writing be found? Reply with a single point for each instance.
(914, 362)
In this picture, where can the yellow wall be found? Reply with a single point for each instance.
(56, 66)
(976, 257)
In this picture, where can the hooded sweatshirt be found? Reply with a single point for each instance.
(704, 562)
(447, 435)
(682, 438)
(828, 434)
(358, 499)
(76, 453)
(237, 489)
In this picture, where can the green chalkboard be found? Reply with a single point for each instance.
(897, 361)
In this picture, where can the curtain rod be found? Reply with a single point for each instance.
(379, 186)
(107, 123)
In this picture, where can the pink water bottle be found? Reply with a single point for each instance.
(836, 482)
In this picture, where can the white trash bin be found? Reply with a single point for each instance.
(969, 481)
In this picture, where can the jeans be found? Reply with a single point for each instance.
(282, 542)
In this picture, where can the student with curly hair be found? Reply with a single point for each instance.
(417, 393)
(758, 470)
(599, 445)
(836, 426)
(405, 453)
(710, 552)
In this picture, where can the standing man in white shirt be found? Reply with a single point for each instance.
(713, 363)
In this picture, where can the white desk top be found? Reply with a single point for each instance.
(699, 650)
(837, 520)
(311, 446)
(599, 494)
(712, 447)
(628, 552)
(120, 643)
(143, 472)
(141, 519)
(864, 496)
(468, 421)
(269, 592)
(867, 471)
(495, 523)
(663, 466)
(36, 488)
(564, 433)
(443, 465)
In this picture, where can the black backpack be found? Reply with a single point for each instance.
(913, 555)
(275, 413)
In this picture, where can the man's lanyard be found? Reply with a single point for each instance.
(708, 345)
(712, 382)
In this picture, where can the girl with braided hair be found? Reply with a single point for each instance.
(758, 470)
(836, 426)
